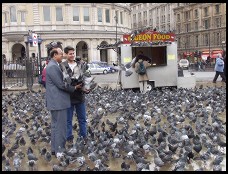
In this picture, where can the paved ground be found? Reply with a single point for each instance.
(112, 78)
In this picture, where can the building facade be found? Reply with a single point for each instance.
(200, 27)
(155, 15)
(83, 26)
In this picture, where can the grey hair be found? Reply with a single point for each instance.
(219, 55)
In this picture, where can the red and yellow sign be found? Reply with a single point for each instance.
(149, 36)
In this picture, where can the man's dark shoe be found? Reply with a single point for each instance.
(52, 153)
(214, 82)
(70, 139)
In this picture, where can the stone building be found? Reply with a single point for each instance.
(155, 15)
(80, 25)
(200, 27)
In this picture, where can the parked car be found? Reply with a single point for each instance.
(110, 68)
(14, 70)
(96, 69)
(184, 63)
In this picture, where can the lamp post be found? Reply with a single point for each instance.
(39, 43)
(118, 58)
(209, 43)
(29, 80)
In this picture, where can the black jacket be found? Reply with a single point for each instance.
(77, 96)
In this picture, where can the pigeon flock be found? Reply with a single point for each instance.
(166, 129)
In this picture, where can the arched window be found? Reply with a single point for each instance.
(13, 17)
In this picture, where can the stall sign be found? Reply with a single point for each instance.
(151, 36)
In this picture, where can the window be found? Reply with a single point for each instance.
(145, 18)
(178, 17)
(187, 41)
(168, 18)
(187, 15)
(99, 14)
(86, 14)
(206, 39)
(217, 9)
(157, 20)
(188, 27)
(121, 17)
(139, 17)
(13, 17)
(107, 17)
(179, 42)
(178, 28)
(117, 17)
(134, 18)
(197, 41)
(168, 28)
(206, 24)
(217, 38)
(168, 7)
(205, 11)
(46, 11)
(22, 16)
(5, 17)
(151, 22)
(75, 13)
(196, 25)
(59, 14)
(218, 22)
(196, 13)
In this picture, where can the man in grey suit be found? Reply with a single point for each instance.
(57, 100)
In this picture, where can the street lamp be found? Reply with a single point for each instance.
(39, 43)
(118, 59)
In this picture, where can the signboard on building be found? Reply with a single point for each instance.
(34, 40)
(149, 36)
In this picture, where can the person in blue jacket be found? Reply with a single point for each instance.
(219, 68)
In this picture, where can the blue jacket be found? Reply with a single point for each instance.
(219, 65)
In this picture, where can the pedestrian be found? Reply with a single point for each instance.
(224, 58)
(140, 67)
(44, 75)
(57, 100)
(74, 68)
(219, 68)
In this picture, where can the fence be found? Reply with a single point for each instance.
(22, 73)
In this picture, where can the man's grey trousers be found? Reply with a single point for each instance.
(58, 129)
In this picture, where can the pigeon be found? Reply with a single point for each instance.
(47, 156)
(16, 162)
(125, 167)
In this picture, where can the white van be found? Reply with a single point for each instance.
(184, 63)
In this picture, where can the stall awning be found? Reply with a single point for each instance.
(215, 52)
(204, 56)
